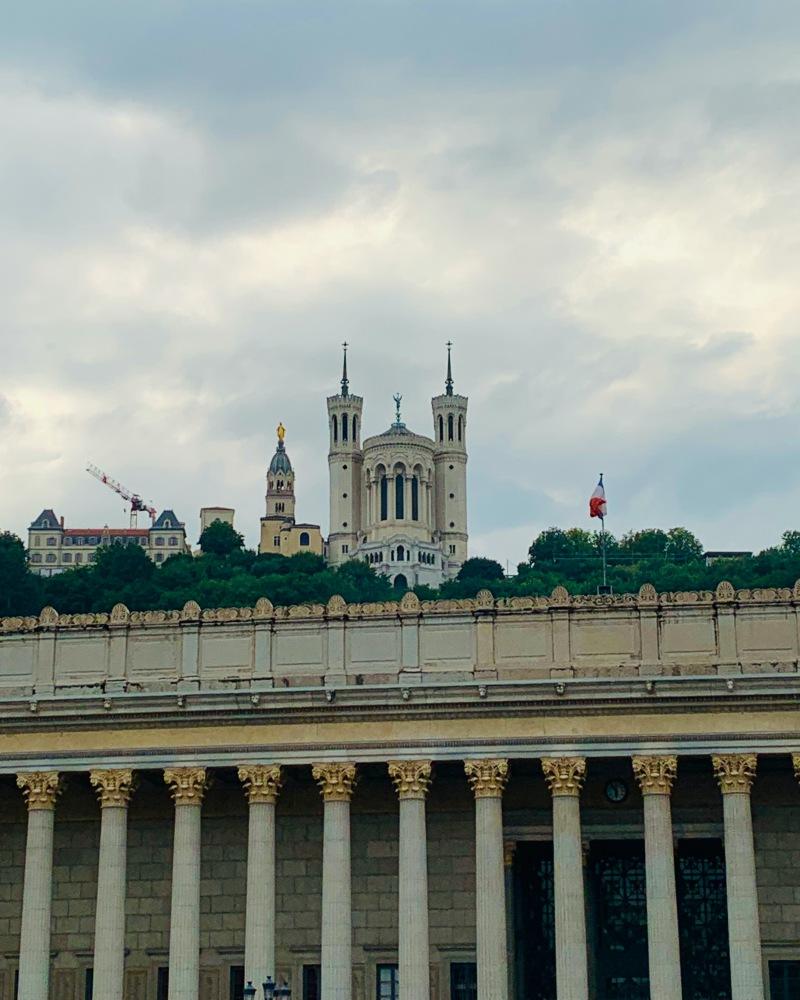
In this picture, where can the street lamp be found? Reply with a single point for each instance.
(249, 992)
(269, 989)
(283, 991)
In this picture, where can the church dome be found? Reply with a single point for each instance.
(280, 460)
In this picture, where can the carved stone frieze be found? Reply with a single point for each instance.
(735, 772)
(564, 775)
(412, 778)
(114, 786)
(186, 784)
(40, 788)
(336, 781)
(487, 778)
(262, 782)
(655, 774)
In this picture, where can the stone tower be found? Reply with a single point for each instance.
(345, 462)
(280, 483)
(450, 464)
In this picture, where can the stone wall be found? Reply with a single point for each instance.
(409, 641)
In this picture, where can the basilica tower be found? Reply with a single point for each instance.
(345, 462)
(450, 464)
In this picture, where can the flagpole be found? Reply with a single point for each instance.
(603, 547)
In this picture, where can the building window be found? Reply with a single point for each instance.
(162, 983)
(401, 553)
(386, 983)
(304, 538)
(173, 540)
(463, 981)
(67, 557)
(88, 984)
(51, 557)
(784, 980)
(450, 427)
(159, 557)
(452, 550)
(159, 541)
(460, 428)
(279, 508)
(335, 425)
(345, 549)
(399, 496)
(441, 428)
(344, 427)
(78, 557)
(355, 429)
(36, 557)
(414, 498)
(236, 983)
(276, 540)
(37, 541)
(311, 982)
(384, 498)
(51, 540)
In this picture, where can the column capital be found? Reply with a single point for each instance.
(735, 772)
(114, 786)
(40, 788)
(412, 778)
(261, 782)
(336, 781)
(655, 774)
(564, 775)
(186, 784)
(487, 778)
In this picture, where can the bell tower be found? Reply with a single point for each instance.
(345, 462)
(450, 465)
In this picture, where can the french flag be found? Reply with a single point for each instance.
(597, 501)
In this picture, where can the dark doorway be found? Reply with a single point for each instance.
(703, 920)
(619, 920)
(534, 921)
(400, 583)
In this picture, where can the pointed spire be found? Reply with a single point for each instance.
(345, 379)
(448, 383)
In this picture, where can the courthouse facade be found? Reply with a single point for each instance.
(520, 799)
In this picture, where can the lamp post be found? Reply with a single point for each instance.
(249, 992)
(271, 990)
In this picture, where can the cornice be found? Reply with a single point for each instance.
(265, 613)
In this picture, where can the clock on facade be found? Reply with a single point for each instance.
(616, 790)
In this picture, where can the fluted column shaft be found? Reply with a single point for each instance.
(655, 776)
(488, 779)
(336, 783)
(412, 780)
(40, 789)
(565, 777)
(262, 783)
(114, 789)
(735, 774)
(187, 785)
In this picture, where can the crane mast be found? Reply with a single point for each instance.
(135, 501)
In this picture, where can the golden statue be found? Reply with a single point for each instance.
(281, 432)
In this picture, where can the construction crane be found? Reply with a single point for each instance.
(133, 499)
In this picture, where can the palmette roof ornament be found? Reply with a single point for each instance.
(725, 592)
(487, 778)
(191, 612)
(735, 772)
(120, 615)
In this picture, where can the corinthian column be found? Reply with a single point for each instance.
(40, 789)
(564, 776)
(735, 774)
(655, 776)
(412, 779)
(114, 791)
(188, 785)
(336, 782)
(262, 784)
(488, 779)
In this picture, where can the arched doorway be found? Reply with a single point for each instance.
(400, 582)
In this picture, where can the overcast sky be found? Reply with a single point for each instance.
(599, 203)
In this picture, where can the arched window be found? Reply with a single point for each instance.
(400, 582)
(355, 429)
(384, 498)
(335, 423)
(460, 428)
(399, 496)
(450, 427)
(344, 427)
(441, 428)
(401, 553)
(304, 539)
(414, 498)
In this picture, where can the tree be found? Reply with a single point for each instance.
(20, 590)
(480, 569)
(554, 545)
(647, 543)
(683, 546)
(790, 542)
(221, 539)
